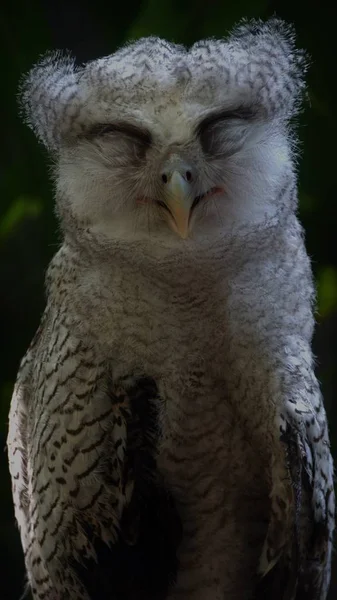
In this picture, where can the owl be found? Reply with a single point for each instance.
(167, 436)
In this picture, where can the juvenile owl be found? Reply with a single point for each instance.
(167, 436)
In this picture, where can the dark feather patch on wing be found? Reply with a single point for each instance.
(142, 564)
(299, 573)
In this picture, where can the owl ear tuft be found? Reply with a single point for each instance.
(48, 99)
(274, 66)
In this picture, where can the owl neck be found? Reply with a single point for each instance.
(175, 258)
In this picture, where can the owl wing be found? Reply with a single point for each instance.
(142, 563)
(94, 519)
(17, 452)
(295, 564)
(17, 440)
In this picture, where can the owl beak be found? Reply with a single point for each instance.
(179, 199)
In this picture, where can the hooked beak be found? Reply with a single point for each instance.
(179, 199)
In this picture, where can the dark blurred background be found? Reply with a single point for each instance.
(28, 231)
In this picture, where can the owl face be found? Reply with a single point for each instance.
(159, 142)
(173, 173)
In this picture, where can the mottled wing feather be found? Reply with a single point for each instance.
(295, 564)
(82, 457)
(60, 416)
(142, 563)
(17, 439)
(17, 452)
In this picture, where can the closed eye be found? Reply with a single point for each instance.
(241, 113)
(127, 129)
(221, 133)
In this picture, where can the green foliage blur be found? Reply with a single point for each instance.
(28, 230)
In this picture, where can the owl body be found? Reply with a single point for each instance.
(225, 452)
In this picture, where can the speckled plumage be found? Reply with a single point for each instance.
(167, 410)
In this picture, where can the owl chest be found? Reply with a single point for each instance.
(208, 453)
(219, 481)
(154, 331)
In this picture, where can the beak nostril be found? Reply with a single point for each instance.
(187, 175)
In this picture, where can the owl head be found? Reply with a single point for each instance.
(160, 142)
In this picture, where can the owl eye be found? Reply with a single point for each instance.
(105, 129)
(218, 127)
(219, 117)
(125, 129)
